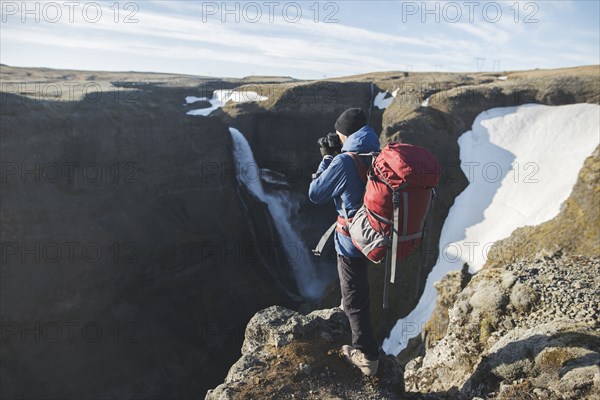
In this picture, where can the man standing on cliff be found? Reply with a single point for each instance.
(341, 178)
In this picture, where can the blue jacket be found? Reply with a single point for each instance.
(338, 179)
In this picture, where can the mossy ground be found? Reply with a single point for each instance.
(331, 377)
(487, 326)
(521, 391)
(553, 359)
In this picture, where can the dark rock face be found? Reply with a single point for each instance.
(201, 104)
(129, 268)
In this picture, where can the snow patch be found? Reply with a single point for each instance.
(522, 163)
(502, 78)
(221, 97)
(382, 101)
(194, 99)
(425, 103)
(205, 112)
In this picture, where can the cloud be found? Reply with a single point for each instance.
(322, 47)
(487, 32)
(307, 49)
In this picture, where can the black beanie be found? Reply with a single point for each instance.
(350, 121)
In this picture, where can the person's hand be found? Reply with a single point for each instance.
(324, 147)
(330, 145)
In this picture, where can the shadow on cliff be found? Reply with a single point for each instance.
(176, 270)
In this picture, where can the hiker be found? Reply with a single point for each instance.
(341, 177)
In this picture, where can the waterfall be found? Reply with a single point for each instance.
(282, 207)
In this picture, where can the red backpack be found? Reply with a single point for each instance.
(399, 195)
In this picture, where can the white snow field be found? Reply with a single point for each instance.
(220, 97)
(282, 208)
(522, 163)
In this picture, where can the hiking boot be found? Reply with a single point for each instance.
(358, 359)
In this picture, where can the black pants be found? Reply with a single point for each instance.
(354, 284)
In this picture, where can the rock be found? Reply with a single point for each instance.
(521, 350)
(508, 279)
(522, 297)
(199, 105)
(508, 324)
(555, 345)
(580, 381)
(488, 298)
(327, 336)
(305, 368)
(539, 392)
(309, 345)
(447, 291)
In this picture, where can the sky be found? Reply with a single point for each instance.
(302, 39)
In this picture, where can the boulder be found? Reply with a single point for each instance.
(287, 354)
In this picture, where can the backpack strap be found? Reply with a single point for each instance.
(392, 250)
(346, 215)
(321, 245)
(361, 168)
(425, 239)
(336, 226)
(396, 203)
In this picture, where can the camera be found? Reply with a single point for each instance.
(330, 144)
